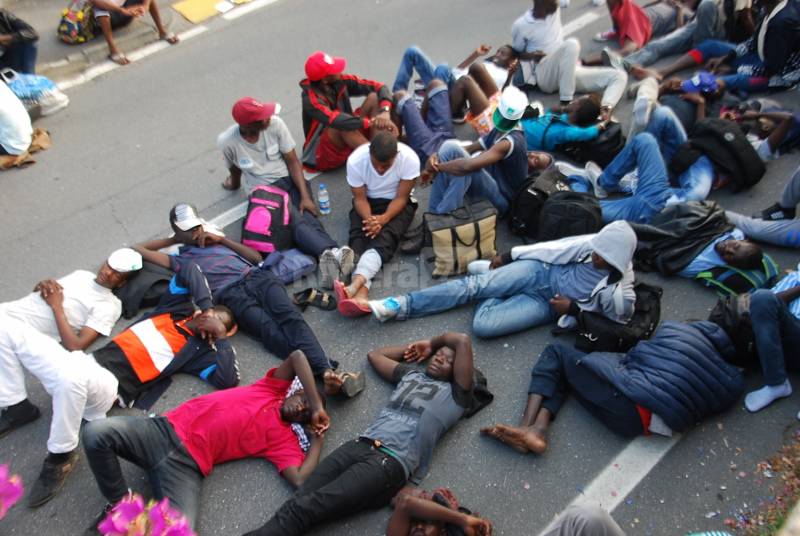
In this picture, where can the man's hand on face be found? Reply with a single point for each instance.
(210, 327)
(418, 351)
(320, 422)
(308, 204)
(206, 238)
(560, 304)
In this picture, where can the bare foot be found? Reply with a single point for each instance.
(229, 185)
(333, 383)
(169, 38)
(640, 73)
(521, 439)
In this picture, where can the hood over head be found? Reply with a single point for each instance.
(616, 243)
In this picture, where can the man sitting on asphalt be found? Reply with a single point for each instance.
(775, 319)
(17, 43)
(331, 127)
(113, 14)
(76, 309)
(257, 298)
(495, 174)
(397, 448)
(179, 449)
(662, 385)
(550, 62)
(261, 148)
(535, 285)
(381, 176)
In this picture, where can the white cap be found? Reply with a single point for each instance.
(125, 260)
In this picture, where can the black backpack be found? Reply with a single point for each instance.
(596, 333)
(732, 314)
(600, 150)
(569, 214)
(143, 289)
(530, 198)
(724, 143)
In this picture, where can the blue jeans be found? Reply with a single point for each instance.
(415, 59)
(450, 192)
(777, 334)
(513, 297)
(652, 190)
(20, 57)
(784, 233)
(427, 135)
(743, 67)
(153, 445)
(694, 183)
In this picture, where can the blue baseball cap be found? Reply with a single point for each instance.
(702, 82)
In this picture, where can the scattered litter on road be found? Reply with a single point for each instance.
(709, 515)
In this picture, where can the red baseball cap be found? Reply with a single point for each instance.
(319, 65)
(248, 110)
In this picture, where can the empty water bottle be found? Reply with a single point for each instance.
(324, 200)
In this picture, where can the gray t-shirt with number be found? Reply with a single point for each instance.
(419, 412)
(261, 162)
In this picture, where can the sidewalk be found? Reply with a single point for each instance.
(59, 61)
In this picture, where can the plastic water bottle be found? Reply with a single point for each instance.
(324, 200)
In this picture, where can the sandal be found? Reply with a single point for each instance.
(340, 290)
(352, 309)
(119, 59)
(317, 298)
(170, 38)
(354, 383)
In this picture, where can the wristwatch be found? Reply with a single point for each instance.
(385, 109)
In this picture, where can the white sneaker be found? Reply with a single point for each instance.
(593, 172)
(328, 269)
(347, 262)
(385, 309)
(478, 267)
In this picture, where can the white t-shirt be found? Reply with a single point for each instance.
(762, 148)
(498, 74)
(261, 162)
(16, 131)
(360, 171)
(85, 303)
(530, 35)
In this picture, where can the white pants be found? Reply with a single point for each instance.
(559, 71)
(80, 388)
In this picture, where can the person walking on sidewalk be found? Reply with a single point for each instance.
(113, 14)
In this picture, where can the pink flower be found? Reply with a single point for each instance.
(130, 517)
(10, 490)
(124, 517)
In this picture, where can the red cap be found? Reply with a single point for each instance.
(319, 65)
(248, 110)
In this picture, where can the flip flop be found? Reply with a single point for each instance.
(317, 298)
(352, 309)
(119, 59)
(339, 290)
(354, 383)
(170, 38)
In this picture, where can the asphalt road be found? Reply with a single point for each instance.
(141, 138)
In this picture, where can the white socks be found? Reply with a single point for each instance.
(368, 265)
(760, 399)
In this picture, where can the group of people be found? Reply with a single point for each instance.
(399, 138)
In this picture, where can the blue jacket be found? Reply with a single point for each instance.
(549, 131)
(679, 374)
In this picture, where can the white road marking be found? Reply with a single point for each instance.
(108, 65)
(230, 215)
(613, 484)
(247, 8)
(577, 23)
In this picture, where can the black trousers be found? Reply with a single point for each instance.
(389, 238)
(354, 477)
(559, 371)
(308, 234)
(263, 309)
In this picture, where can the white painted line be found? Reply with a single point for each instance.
(247, 8)
(623, 474)
(576, 24)
(136, 55)
(230, 215)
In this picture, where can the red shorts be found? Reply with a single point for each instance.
(328, 155)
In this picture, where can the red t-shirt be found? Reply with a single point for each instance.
(631, 23)
(244, 422)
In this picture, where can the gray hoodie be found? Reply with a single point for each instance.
(616, 243)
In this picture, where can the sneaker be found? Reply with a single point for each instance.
(347, 262)
(478, 267)
(602, 37)
(92, 530)
(328, 269)
(774, 213)
(412, 241)
(593, 172)
(51, 479)
(385, 309)
(17, 415)
(612, 59)
(642, 107)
